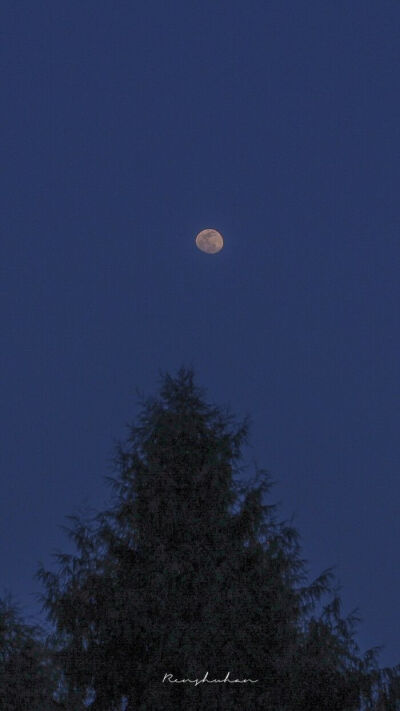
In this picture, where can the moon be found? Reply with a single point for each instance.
(209, 241)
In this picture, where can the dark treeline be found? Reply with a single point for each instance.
(187, 571)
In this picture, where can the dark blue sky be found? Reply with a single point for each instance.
(130, 126)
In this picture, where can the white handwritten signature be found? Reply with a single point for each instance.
(205, 680)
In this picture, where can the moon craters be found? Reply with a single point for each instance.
(209, 241)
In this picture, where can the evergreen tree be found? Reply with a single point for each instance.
(27, 678)
(188, 572)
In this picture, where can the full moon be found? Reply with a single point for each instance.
(209, 241)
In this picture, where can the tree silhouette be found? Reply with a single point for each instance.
(28, 681)
(189, 571)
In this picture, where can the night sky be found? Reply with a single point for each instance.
(128, 128)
